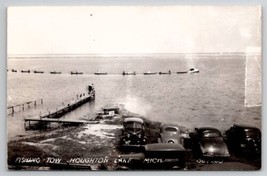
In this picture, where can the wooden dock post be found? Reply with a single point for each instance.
(12, 110)
(24, 105)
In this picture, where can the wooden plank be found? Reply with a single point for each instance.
(53, 117)
(60, 120)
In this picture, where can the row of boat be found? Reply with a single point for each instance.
(34, 71)
(191, 70)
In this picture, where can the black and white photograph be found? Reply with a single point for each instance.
(135, 88)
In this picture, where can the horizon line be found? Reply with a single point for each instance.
(121, 54)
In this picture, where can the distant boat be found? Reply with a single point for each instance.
(55, 72)
(150, 73)
(37, 71)
(128, 73)
(182, 72)
(13, 70)
(25, 71)
(193, 70)
(76, 73)
(101, 73)
(165, 73)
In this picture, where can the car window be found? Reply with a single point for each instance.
(170, 129)
(133, 125)
(252, 133)
(210, 134)
(212, 139)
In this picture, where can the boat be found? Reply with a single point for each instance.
(101, 73)
(13, 70)
(37, 71)
(25, 71)
(193, 70)
(55, 72)
(150, 73)
(128, 73)
(165, 73)
(181, 72)
(76, 73)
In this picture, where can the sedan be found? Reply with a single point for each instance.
(170, 133)
(207, 142)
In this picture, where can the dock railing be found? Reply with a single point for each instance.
(23, 106)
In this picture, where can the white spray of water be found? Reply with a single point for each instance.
(136, 105)
(190, 61)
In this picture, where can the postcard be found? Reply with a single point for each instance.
(134, 88)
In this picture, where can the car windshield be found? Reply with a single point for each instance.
(209, 133)
(171, 129)
(213, 140)
(131, 126)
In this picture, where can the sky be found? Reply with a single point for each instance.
(132, 29)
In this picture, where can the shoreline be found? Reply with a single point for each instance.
(84, 147)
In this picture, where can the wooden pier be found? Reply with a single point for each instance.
(70, 107)
(44, 121)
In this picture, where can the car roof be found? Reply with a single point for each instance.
(168, 125)
(202, 129)
(244, 126)
(206, 128)
(163, 147)
(133, 119)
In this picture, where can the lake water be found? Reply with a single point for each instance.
(213, 97)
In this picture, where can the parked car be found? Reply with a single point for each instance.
(133, 133)
(244, 139)
(170, 133)
(164, 156)
(208, 143)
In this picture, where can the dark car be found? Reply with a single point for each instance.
(170, 133)
(208, 143)
(165, 156)
(244, 139)
(133, 133)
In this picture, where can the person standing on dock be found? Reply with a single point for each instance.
(91, 89)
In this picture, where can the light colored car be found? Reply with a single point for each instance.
(170, 133)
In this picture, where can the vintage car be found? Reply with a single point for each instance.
(244, 139)
(164, 156)
(133, 132)
(208, 143)
(170, 133)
